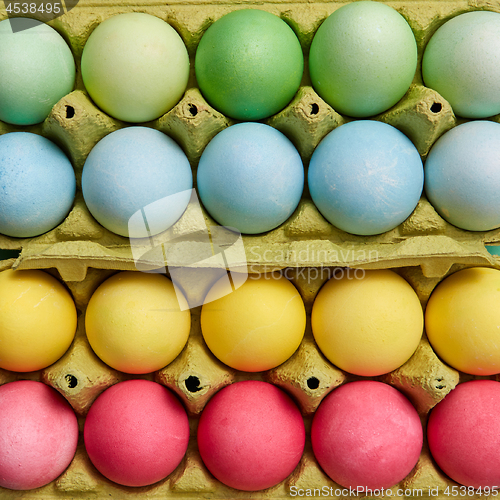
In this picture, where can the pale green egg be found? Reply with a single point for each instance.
(135, 67)
(37, 69)
(363, 58)
(462, 63)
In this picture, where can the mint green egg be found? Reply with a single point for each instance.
(135, 67)
(363, 58)
(462, 63)
(249, 64)
(37, 69)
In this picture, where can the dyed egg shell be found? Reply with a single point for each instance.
(36, 70)
(38, 435)
(37, 182)
(135, 67)
(256, 327)
(135, 169)
(249, 64)
(369, 325)
(462, 320)
(462, 179)
(462, 63)
(251, 435)
(136, 433)
(134, 322)
(366, 177)
(366, 434)
(37, 320)
(464, 434)
(250, 177)
(363, 58)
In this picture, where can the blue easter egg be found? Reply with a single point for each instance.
(366, 177)
(37, 185)
(250, 177)
(462, 176)
(137, 182)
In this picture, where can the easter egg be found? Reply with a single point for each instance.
(366, 434)
(366, 177)
(36, 70)
(462, 320)
(256, 327)
(367, 324)
(250, 177)
(134, 322)
(249, 64)
(38, 435)
(136, 433)
(135, 67)
(37, 182)
(251, 435)
(463, 432)
(462, 179)
(462, 63)
(37, 320)
(132, 170)
(363, 58)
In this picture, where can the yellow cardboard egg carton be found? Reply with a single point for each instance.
(196, 375)
(306, 238)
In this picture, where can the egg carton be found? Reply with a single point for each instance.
(82, 253)
(196, 375)
(306, 238)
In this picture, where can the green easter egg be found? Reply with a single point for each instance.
(462, 63)
(135, 67)
(37, 69)
(363, 58)
(249, 64)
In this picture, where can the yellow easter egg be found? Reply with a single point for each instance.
(462, 320)
(367, 323)
(37, 320)
(134, 322)
(256, 327)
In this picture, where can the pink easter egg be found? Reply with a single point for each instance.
(251, 435)
(38, 435)
(136, 432)
(366, 434)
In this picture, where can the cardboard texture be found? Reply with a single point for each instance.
(423, 249)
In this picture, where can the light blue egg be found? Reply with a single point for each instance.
(250, 178)
(366, 177)
(37, 185)
(134, 171)
(462, 176)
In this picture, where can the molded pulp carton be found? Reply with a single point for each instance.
(423, 249)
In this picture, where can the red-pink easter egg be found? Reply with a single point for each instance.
(136, 433)
(38, 435)
(366, 434)
(251, 435)
(464, 434)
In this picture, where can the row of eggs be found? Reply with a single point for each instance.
(367, 325)
(249, 64)
(365, 177)
(250, 435)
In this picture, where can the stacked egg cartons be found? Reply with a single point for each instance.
(423, 249)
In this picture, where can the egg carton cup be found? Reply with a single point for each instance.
(196, 375)
(306, 238)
